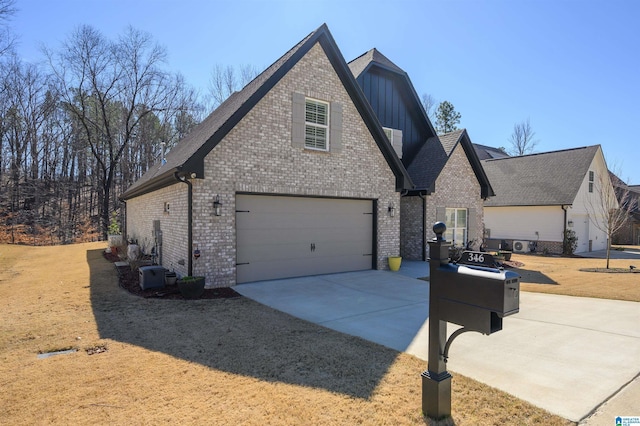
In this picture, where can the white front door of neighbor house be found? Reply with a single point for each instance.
(282, 237)
(582, 232)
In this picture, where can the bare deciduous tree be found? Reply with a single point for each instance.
(7, 38)
(608, 209)
(429, 105)
(522, 139)
(225, 80)
(109, 88)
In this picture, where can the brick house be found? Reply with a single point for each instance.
(450, 183)
(291, 176)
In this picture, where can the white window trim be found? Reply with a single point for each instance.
(452, 231)
(389, 132)
(326, 127)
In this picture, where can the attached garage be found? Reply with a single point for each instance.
(262, 190)
(282, 237)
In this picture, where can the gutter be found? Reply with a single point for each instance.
(161, 181)
(184, 179)
(424, 226)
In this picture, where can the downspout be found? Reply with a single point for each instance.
(564, 230)
(124, 225)
(424, 225)
(189, 222)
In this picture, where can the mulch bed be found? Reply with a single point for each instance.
(129, 280)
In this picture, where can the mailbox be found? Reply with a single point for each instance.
(474, 296)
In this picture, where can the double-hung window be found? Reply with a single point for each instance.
(316, 125)
(591, 179)
(456, 221)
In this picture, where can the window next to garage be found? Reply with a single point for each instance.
(316, 125)
(456, 221)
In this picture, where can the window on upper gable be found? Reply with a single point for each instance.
(316, 131)
(395, 137)
(316, 125)
(591, 177)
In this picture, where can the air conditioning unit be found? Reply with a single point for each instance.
(520, 246)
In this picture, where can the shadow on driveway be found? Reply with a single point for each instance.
(238, 336)
(534, 277)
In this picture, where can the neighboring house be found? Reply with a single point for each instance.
(291, 176)
(539, 196)
(450, 184)
(629, 199)
(486, 152)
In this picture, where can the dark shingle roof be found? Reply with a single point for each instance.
(486, 152)
(361, 63)
(450, 140)
(188, 155)
(428, 163)
(549, 178)
(433, 156)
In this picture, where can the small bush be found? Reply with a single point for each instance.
(569, 242)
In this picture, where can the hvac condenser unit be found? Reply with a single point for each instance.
(151, 277)
(521, 246)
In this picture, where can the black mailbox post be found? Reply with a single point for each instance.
(475, 297)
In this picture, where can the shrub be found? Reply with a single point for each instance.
(569, 242)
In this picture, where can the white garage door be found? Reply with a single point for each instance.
(282, 237)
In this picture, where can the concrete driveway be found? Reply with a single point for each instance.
(565, 354)
(628, 253)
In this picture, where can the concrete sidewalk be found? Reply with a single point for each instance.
(565, 354)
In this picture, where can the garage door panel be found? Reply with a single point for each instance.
(280, 237)
(276, 251)
(275, 236)
(276, 269)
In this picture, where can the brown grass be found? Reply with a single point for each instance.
(224, 361)
(561, 275)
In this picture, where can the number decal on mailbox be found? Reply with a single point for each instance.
(477, 258)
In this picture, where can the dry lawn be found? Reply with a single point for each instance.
(218, 362)
(561, 275)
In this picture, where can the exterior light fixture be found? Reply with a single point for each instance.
(392, 210)
(217, 206)
(570, 223)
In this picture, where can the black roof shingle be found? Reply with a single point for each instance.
(187, 157)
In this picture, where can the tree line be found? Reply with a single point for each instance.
(84, 123)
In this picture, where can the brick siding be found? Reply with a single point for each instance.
(456, 187)
(257, 156)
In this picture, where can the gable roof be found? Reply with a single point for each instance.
(187, 157)
(434, 155)
(545, 179)
(373, 58)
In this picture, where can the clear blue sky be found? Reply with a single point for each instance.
(571, 67)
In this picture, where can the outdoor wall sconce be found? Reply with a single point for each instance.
(217, 206)
(570, 224)
(392, 210)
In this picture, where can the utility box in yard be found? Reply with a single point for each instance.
(151, 277)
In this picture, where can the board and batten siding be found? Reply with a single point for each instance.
(390, 106)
